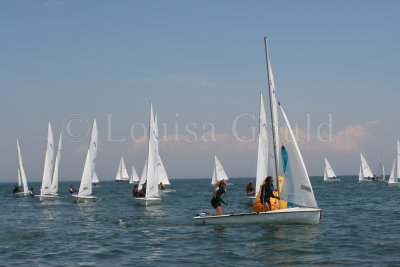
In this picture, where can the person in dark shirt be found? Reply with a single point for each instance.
(217, 198)
(266, 193)
(135, 190)
(249, 189)
(16, 189)
(71, 189)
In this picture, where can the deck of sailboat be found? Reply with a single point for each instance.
(148, 201)
(283, 216)
(47, 197)
(84, 198)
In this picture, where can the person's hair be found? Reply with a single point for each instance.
(268, 179)
(222, 183)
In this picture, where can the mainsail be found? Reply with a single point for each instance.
(48, 163)
(21, 172)
(262, 152)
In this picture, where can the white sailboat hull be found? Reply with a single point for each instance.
(21, 194)
(84, 198)
(149, 201)
(332, 180)
(393, 184)
(284, 216)
(47, 197)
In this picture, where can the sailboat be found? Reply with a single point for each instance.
(149, 180)
(85, 188)
(365, 173)
(329, 174)
(162, 174)
(122, 173)
(381, 171)
(134, 178)
(219, 173)
(95, 179)
(22, 183)
(49, 188)
(394, 179)
(262, 151)
(297, 204)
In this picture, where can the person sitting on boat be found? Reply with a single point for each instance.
(71, 189)
(250, 189)
(135, 190)
(267, 192)
(161, 186)
(31, 192)
(217, 198)
(16, 189)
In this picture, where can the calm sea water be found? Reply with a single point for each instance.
(360, 225)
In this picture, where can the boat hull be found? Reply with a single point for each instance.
(21, 194)
(394, 184)
(150, 201)
(81, 199)
(284, 216)
(47, 197)
(332, 180)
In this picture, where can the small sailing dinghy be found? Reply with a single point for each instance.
(134, 178)
(219, 173)
(49, 188)
(162, 173)
(329, 174)
(394, 179)
(149, 180)
(297, 203)
(95, 179)
(85, 188)
(22, 187)
(122, 173)
(365, 173)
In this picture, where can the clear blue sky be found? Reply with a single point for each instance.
(198, 62)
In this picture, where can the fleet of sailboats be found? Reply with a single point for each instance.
(329, 174)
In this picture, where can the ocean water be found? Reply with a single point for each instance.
(360, 226)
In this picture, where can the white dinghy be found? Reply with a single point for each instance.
(329, 174)
(23, 188)
(122, 173)
(85, 188)
(394, 179)
(297, 204)
(219, 173)
(134, 178)
(149, 179)
(365, 173)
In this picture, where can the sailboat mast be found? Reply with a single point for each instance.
(274, 123)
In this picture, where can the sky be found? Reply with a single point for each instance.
(202, 65)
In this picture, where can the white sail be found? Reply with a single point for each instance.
(48, 163)
(134, 176)
(143, 177)
(391, 177)
(152, 176)
(95, 178)
(273, 103)
(214, 177)
(360, 174)
(122, 173)
(21, 169)
(220, 172)
(54, 182)
(85, 188)
(365, 168)
(162, 174)
(329, 171)
(297, 187)
(262, 152)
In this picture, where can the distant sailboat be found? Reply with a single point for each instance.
(297, 202)
(162, 174)
(394, 179)
(85, 188)
(49, 188)
(134, 178)
(381, 171)
(22, 189)
(365, 173)
(149, 178)
(122, 173)
(219, 173)
(329, 174)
